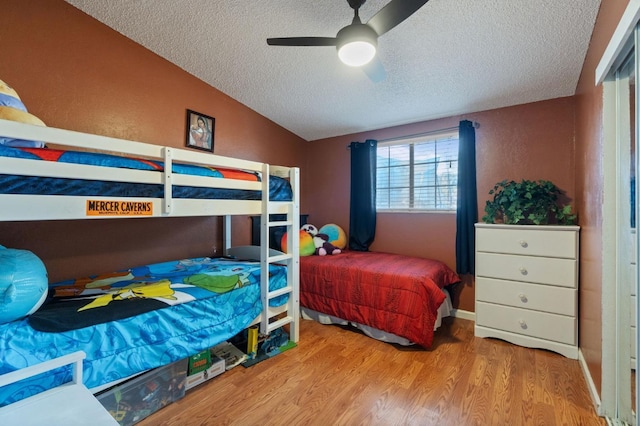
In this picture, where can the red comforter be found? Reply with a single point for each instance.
(394, 293)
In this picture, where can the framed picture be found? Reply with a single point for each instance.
(200, 129)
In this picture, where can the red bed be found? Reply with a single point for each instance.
(390, 292)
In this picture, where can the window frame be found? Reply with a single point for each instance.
(411, 141)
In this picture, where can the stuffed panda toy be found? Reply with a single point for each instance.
(321, 241)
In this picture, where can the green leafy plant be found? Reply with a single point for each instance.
(527, 203)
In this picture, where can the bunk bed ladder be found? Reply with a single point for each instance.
(167, 174)
(292, 224)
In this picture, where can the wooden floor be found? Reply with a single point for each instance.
(337, 376)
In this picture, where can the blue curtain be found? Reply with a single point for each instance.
(362, 216)
(467, 211)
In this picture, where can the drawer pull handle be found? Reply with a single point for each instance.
(523, 297)
(523, 324)
(524, 244)
(523, 270)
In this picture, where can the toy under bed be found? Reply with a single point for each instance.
(193, 304)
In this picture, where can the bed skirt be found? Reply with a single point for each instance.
(443, 311)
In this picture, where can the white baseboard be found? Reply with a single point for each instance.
(459, 313)
(591, 386)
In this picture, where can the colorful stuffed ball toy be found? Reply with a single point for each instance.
(337, 236)
(307, 247)
(23, 284)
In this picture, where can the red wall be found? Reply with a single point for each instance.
(76, 73)
(532, 141)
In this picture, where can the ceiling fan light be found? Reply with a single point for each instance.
(356, 44)
(357, 53)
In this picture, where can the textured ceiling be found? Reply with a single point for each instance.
(451, 57)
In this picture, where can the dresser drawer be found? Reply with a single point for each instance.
(556, 300)
(543, 325)
(527, 241)
(543, 270)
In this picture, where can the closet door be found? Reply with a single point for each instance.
(626, 236)
(617, 73)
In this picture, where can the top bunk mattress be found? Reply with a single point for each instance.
(280, 189)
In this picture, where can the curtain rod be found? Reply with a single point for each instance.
(476, 125)
(430, 132)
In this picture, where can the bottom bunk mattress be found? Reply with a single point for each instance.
(135, 320)
(393, 293)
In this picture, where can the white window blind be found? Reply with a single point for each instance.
(418, 173)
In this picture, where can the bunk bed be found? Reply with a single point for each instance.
(155, 181)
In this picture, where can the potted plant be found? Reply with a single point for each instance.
(527, 203)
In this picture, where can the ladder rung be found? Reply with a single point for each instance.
(275, 207)
(277, 324)
(279, 258)
(280, 223)
(279, 292)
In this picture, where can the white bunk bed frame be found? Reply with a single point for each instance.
(53, 407)
(62, 207)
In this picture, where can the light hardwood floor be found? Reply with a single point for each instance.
(337, 376)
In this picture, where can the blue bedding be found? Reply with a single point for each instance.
(279, 189)
(201, 313)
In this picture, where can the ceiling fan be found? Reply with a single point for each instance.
(356, 43)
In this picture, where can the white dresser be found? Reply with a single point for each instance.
(527, 285)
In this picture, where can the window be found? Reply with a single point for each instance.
(418, 174)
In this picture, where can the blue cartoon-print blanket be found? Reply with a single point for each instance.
(197, 303)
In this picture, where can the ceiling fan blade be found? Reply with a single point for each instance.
(375, 70)
(302, 41)
(393, 14)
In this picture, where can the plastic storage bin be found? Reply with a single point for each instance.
(145, 394)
